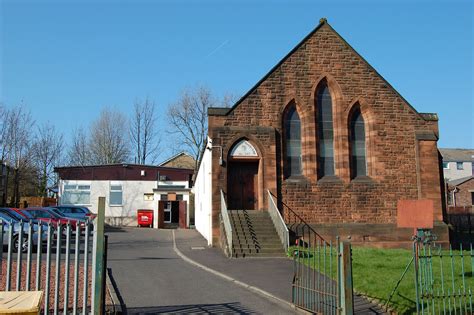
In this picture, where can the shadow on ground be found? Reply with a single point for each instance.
(113, 229)
(223, 308)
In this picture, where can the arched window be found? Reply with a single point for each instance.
(325, 132)
(292, 128)
(357, 144)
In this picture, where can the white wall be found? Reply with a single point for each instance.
(132, 198)
(452, 172)
(203, 195)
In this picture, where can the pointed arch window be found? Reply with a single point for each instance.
(357, 145)
(325, 132)
(292, 127)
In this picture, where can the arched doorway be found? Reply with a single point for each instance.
(242, 177)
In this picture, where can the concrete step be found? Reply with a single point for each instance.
(256, 250)
(245, 229)
(254, 234)
(259, 255)
(256, 240)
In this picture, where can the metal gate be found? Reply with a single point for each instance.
(443, 278)
(322, 280)
(66, 262)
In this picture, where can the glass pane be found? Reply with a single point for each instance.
(115, 198)
(292, 142)
(69, 187)
(168, 216)
(116, 187)
(358, 152)
(84, 187)
(325, 132)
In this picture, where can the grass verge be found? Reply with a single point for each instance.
(377, 271)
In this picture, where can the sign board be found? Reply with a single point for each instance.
(416, 214)
(171, 196)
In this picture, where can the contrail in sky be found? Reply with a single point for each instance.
(217, 48)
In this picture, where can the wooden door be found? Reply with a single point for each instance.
(242, 185)
(182, 214)
(161, 214)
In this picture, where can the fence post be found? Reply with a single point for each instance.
(98, 259)
(346, 293)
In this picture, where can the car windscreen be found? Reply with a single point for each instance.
(43, 214)
(6, 217)
(56, 212)
(27, 214)
(12, 214)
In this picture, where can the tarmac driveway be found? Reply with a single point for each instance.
(151, 278)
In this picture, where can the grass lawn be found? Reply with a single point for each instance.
(376, 272)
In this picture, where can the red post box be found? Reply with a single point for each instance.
(145, 217)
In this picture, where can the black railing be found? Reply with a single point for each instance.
(300, 230)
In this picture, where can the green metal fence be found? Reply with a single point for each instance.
(443, 279)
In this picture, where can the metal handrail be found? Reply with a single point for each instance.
(294, 219)
(227, 225)
(278, 222)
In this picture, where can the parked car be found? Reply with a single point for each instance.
(77, 212)
(18, 215)
(23, 214)
(10, 221)
(47, 215)
(80, 221)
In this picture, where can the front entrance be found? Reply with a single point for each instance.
(172, 214)
(242, 185)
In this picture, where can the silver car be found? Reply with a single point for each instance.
(9, 222)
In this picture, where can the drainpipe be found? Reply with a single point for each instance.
(455, 190)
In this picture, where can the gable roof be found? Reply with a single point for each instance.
(457, 155)
(224, 111)
(459, 181)
(175, 157)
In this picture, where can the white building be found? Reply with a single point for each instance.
(203, 196)
(128, 188)
(457, 163)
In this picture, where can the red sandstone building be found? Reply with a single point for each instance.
(331, 139)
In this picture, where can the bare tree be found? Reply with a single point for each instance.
(109, 141)
(5, 144)
(188, 119)
(79, 153)
(143, 133)
(46, 150)
(229, 99)
(19, 138)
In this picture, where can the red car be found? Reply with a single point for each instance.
(46, 215)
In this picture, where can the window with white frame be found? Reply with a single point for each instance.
(445, 165)
(76, 194)
(460, 165)
(116, 194)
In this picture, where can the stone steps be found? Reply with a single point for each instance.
(254, 234)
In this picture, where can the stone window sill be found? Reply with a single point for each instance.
(333, 179)
(362, 180)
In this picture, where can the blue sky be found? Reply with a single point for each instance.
(67, 59)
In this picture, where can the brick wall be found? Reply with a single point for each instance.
(402, 155)
(463, 195)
